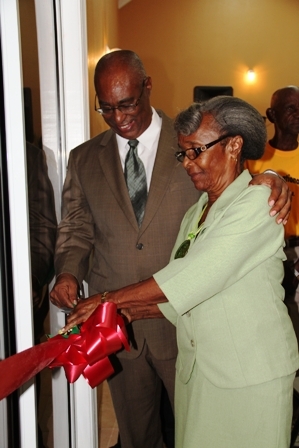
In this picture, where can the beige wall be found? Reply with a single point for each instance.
(185, 43)
(101, 34)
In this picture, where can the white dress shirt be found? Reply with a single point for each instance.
(147, 147)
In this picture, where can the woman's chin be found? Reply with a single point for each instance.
(198, 185)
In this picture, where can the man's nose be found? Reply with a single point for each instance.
(118, 115)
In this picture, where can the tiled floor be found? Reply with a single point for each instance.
(108, 430)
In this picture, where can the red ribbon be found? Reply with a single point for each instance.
(101, 335)
(86, 353)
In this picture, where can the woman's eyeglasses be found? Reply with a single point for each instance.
(193, 153)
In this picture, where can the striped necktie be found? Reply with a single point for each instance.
(136, 180)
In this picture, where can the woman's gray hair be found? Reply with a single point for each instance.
(232, 116)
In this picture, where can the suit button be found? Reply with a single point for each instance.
(192, 343)
(188, 314)
(139, 246)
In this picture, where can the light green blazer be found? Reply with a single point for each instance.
(225, 296)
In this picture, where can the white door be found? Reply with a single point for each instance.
(15, 147)
(62, 45)
(61, 28)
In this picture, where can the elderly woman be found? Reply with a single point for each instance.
(222, 290)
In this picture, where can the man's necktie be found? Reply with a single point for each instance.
(136, 180)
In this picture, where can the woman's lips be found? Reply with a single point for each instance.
(194, 174)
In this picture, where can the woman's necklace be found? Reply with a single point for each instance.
(184, 247)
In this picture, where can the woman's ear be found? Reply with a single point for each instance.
(235, 146)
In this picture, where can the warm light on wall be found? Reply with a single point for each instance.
(250, 75)
(109, 50)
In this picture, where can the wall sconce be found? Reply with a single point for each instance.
(250, 75)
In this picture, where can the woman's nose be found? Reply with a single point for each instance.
(186, 162)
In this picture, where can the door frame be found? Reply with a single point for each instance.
(63, 73)
(18, 204)
(62, 47)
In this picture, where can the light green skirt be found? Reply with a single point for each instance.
(252, 417)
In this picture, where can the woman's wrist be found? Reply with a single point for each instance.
(104, 297)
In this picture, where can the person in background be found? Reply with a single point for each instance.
(282, 155)
(113, 234)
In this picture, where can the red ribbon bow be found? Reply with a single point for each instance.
(86, 353)
(101, 335)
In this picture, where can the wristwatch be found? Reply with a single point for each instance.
(296, 274)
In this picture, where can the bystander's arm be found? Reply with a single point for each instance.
(280, 197)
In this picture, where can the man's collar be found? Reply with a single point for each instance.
(148, 135)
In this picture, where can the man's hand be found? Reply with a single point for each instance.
(65, 291)
(280, 197)
(82, 311)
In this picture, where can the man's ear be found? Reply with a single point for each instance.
(148, 84)
(270, 113)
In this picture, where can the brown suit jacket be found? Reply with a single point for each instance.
(99, 239)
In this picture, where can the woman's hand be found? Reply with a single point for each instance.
(280, 198)
(81, 312)
(140, 299)
(142, 312)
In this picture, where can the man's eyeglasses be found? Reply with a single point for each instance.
(193, 153)
(123, 108)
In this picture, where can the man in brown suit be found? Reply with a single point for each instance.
(99, 238)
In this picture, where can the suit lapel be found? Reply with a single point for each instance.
(164, 167)
(112, 170)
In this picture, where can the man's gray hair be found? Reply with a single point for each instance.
(232, 116)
